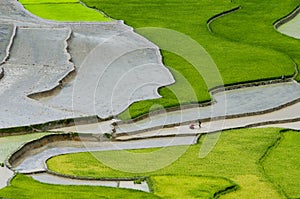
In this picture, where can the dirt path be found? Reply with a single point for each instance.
(248, 106)
(52, 179)
(286, 117)
(5, 175)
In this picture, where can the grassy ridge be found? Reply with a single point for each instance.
(244, 48)
(282, 164)
(189, 187)
(236, 156)
(63, 10)
(23, 187)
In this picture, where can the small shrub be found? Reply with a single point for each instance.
(138, 181)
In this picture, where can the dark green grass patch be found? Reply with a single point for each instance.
(189, 187)
(23, 187)
(63, 10)
(244, 45)
(282, 164)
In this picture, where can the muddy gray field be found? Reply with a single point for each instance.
(64, 70)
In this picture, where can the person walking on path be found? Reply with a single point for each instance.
(192, 126)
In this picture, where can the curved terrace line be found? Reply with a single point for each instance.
(283, 21)
(222, 14)
(100, 11)
(7, 51)
(197, 106)
(42, 169)
(59, 179)
(67, 78)
(265, 155)
(213, 18)
(69, 74)
(47, 176)
(11, 41)
(276, 25)
(186, 139)
(182, 130)
(66, 177)
(1, 73)
(85, 120)
(287, 18)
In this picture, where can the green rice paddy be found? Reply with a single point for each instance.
(26, 188)
(63, 10)
(247, 157)
(244, 44)
(282, 164)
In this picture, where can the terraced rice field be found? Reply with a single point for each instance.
(246, 156)
(26, 187)
(228, 43)
(244, 44)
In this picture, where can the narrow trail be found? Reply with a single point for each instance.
(54, 179)
(251, 106)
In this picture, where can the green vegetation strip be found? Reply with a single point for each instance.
(282, 164)
(23, 187)
(244, 45)
(63, 10)
(10, 144)
(189, 187)
(236, 156)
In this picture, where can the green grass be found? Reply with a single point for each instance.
(245, 46)
(252, 186)
(10, 144)
(189, 187)
(63, 10)
(23, 187)
(236, 157)
(282, 164)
